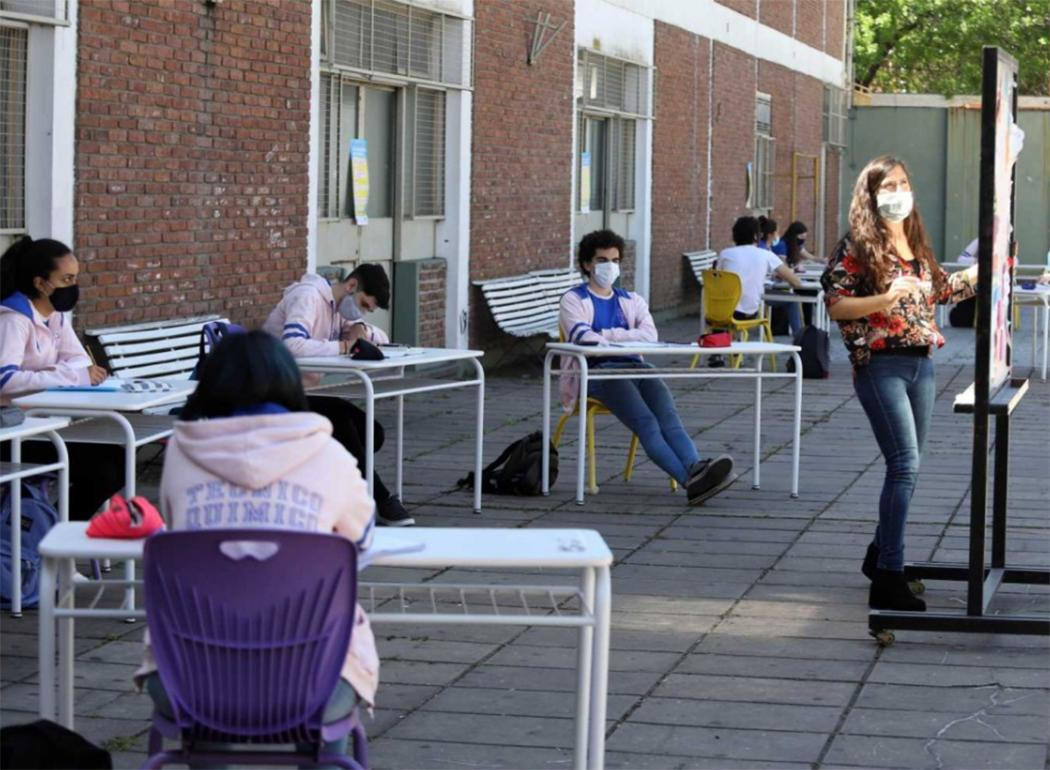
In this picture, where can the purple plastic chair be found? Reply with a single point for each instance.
(249, 629)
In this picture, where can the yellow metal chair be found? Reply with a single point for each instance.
(594, 408)
(721, 294)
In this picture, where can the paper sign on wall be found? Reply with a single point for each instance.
(585, 182)
(359, 179)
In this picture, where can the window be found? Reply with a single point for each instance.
(612, 95)
(371, 52)
(765, 161)
(13, 44)
(835, 116)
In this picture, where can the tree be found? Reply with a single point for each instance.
(934, 46)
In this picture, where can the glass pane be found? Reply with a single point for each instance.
(380, 117)
(343, 130)
(596, 136)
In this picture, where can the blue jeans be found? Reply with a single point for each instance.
(646, 407)
(794, 316)
(897, 393)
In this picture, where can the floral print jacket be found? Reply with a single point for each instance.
(910, 323)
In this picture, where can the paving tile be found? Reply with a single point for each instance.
(884, 752)
(718, 743)
(755, 689)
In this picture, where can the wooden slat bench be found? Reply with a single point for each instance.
(527, 305)
(166, 349)
(699, 261)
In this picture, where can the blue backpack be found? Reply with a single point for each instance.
(38, 517)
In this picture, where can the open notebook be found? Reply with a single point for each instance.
(117, 385)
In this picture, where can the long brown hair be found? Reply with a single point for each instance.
(870, 236)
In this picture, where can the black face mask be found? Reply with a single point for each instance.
(64, 298)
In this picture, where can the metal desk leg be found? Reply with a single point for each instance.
(400, 451)
(545, 486)
(16, 533)
(584, 663)
(479, 434)
(67, 600)
(46, 640)
(581, 438)
(1046, 334)
(796, 445)
(756, 469)
(600, 677)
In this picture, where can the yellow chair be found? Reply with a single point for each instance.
(594, 408)
(721, 294)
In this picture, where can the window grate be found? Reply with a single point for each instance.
(835, 116)
(765, 165)
(612, 84)
(428, 167)
(395, 39)
(625, 130)
(764, 114)
(324, 189)
(13, 44)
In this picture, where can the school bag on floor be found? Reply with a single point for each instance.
(38, 517)
(44, 744)
(518, 470)
(815, 353)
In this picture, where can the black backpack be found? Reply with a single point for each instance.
(815, 353)
(962, 315)
(518, 470)
(44, 744)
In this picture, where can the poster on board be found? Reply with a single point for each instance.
(359, 179)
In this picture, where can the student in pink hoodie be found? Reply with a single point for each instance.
(598, 313)
(316, 317)
(247, 453)
(39, 350)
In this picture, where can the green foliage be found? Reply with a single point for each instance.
(934, 46)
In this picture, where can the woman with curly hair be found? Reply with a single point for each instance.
(881, 284)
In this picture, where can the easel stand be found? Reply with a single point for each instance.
(983, 580)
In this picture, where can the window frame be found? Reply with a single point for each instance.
(835, 115)
(23, 194)
(762, 198)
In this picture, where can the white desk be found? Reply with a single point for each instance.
(781, 291)
(375, 387)
(1039, 300)
(15, 470)
(579, 550)
(118, 420)
(582, 352)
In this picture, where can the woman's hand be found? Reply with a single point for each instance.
(97, 375)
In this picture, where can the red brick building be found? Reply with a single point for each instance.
(197, 154)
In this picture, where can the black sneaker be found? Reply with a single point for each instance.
(716, 362)
(391, 513)
(709, 477)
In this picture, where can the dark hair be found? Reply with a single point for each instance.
(790, 237)
(599, 239)
(372, 280)
(766, 226)
(246, 370)
(26, 259)
(745, 231)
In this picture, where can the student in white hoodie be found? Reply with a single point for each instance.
(316, 317)
(247, 453)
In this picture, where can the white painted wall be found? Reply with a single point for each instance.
(315, 135)
(615, 30)
(453, 232)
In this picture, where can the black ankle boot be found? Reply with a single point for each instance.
(871, 561)
(889, 591)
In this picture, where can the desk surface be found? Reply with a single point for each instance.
(106, 401)
(671, 348)
(395, 358)
(442, 546)
(32, 426)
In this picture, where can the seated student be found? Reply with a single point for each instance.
(768, 233)
(792, 246)
(754, 266)
(247, 430)
(596, 313)
(38, 350)
(319, 318)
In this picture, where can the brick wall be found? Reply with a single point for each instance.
(835, 28)
(521, 169)
(192, 139)
(432, 293)
(778, 14)
(746, 7)
(733, 141)
(679, 187)
(832, 230)
(809, 22)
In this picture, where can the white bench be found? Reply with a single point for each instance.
(699, 261)
(166, 349)
(527, 305)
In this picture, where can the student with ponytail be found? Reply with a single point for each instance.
(38, 350)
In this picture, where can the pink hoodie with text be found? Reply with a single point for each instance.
(298, 478)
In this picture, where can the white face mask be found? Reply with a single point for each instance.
(895, 206)
(349, 310)
(605, 274)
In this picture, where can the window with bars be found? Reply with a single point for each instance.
(608, 84)
(391, 38)
(13, 45)
(428, 154)
(765, 160)
(835, 106)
